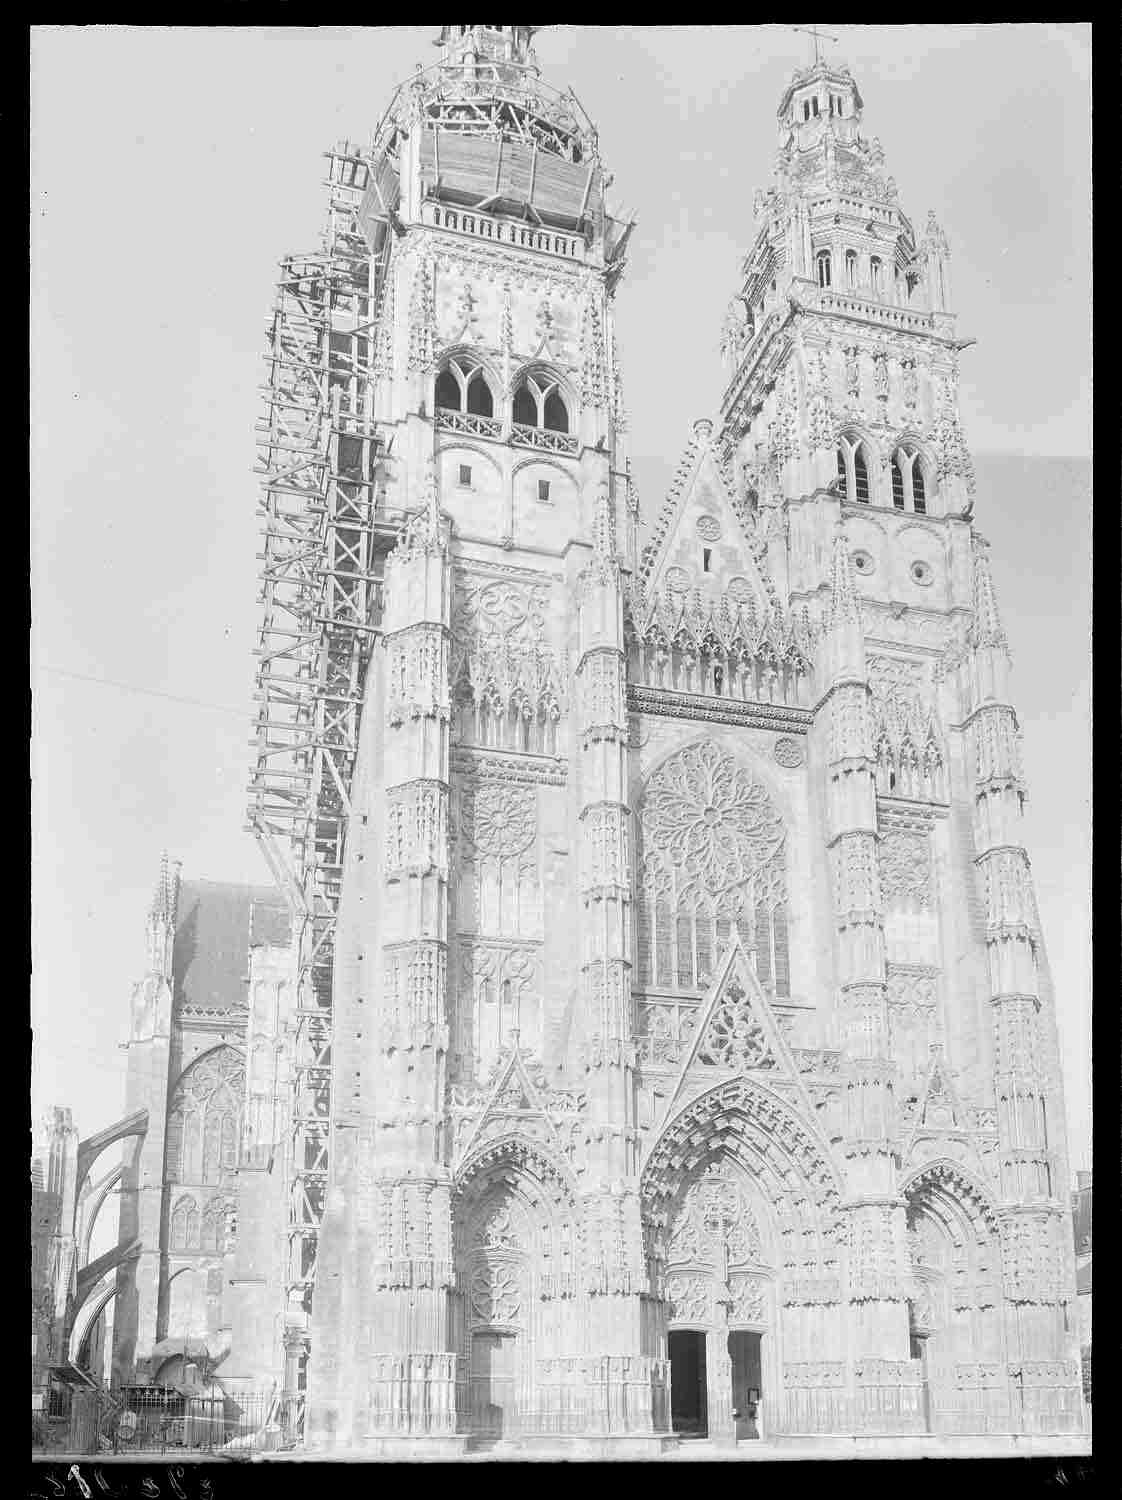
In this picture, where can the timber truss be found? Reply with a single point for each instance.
(318, 457)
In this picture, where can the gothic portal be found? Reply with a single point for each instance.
(674, 1049)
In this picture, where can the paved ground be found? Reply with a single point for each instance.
(687, 1452)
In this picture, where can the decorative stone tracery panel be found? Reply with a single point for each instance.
(204, 1122)
(508, 681)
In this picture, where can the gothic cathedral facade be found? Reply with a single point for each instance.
(693, 1056)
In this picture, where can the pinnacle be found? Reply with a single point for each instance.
(986, 629)
(167, 889)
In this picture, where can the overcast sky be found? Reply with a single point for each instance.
(172, 167)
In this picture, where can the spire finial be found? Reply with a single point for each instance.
(167, 889)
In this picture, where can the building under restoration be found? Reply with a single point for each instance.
(658, 1039)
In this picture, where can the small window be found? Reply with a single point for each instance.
(897, 483)
(465, 474)
(851, 267)
(806, 109)
(824, 268)
(706, 558)
(860, 476)
(543, 490)
(814, 107)
(875, 268)
(919, 490)
(841, 472)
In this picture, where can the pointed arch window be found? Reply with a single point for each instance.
(538, 402)
(185, 1224)
(712, 866)
(205, 1119)
(897, 484)
(908, 480)
(860, 475)
(822, 260)
(854, 482)
(851, 268)
(462, 386)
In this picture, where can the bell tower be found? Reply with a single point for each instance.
(840, 422)
(482, 919)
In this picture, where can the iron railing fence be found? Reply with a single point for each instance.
(165, 1420)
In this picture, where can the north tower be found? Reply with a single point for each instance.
(674, 1049)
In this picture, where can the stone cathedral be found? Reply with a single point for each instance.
(692, 1058)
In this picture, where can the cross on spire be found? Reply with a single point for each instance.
(816, 34)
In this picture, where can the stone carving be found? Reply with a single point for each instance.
(416, 837)
(740, 590)
(495, 1294)
(747, 1300)
(734, 1037)
(709, 528)
(664, 1032)
(677, 580)
(714, 1224)
(688, 1299)
(706, 815)
(499, 820)
(905, 869)
(788, 752)
(507, 681)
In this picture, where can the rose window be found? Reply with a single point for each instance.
(713, 863)
(500, 820)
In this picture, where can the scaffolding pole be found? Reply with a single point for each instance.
(318, 458)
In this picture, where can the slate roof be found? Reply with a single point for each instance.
(215, 926)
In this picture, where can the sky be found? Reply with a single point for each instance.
(172, 167)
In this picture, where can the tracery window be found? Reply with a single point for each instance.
(463, 387)
(823, 263)
(712, 862)
(205, 1117)
(538, 403)
(185, 1224)
(909, 490)
(853, 469)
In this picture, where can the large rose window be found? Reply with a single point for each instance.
(713, 847)
(706, 815)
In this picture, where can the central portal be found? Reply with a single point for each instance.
(689, 1416)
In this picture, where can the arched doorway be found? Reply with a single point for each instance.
(955, 1313)
(515, 1232)
(718, 1287)
(740, 1215)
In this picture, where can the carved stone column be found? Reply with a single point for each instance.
(1037, 1264)
(877, 1247)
